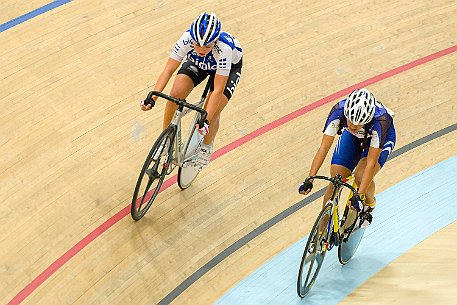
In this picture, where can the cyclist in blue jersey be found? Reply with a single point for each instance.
(207, 51)
(367, 138)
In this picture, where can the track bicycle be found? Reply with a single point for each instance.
(330, 230)
(169, 152)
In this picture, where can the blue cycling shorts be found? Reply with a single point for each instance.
(348, 150)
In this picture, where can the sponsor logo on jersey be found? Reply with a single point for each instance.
(205, 63)
(233, 85)
(223, 63)
(186, 42)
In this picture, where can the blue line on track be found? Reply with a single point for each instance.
(7, 25)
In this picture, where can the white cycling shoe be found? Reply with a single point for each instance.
(203, 156)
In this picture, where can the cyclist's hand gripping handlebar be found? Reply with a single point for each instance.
(149, 100)
(305, 187)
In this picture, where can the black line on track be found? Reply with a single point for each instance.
(284, 214)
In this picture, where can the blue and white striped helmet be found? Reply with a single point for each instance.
(205, 29)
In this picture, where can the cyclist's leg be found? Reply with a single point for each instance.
(359, 170)
(216, 107)
(345, 157)
(188, 77)
(206, 148)
(386, 150)
(182, 87)
(335, 169)
(366, 216)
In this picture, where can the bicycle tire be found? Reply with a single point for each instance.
(347, 248)
(309, 254)
(186, 175)
(142, 201)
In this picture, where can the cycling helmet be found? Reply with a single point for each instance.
(205, 29)
(359, 107)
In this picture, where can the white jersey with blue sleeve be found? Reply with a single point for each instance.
(226, 51)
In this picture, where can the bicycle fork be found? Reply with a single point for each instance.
(333, 230)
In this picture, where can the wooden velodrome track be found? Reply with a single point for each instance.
(73, 140)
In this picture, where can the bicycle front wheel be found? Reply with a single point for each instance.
(315, 250)
(153, 173)
(188, 173)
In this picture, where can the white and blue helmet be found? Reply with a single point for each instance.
(359, 107)
(205, 29)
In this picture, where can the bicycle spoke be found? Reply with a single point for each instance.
(310, 258)
(319, 258)
(145, 193)
(151, 176)
(309, 272)
(314, 253)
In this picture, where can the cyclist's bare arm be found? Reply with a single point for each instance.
(321, 153)
(318, 159)
(170, 68)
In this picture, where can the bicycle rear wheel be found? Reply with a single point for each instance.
(314, 253)
(187, 174)
(152, 174)
(349, 244)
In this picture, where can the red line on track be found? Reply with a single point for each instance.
(56, 265)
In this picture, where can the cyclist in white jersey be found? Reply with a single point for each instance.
(367, 137)
(207, 52)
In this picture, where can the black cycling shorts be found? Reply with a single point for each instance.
(198, 75)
